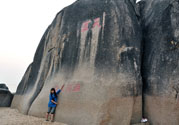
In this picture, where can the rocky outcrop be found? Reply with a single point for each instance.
(5, 96)
(117, 59)
(160, 67)
(94, 48)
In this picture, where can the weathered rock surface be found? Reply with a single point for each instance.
(102, 50)
(5, 96)
(94, 48)
(160, 67)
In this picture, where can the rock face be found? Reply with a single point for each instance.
(5, 96)
(160, 67)
(94, 48)
(118, 60)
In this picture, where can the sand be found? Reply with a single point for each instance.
(9, 116)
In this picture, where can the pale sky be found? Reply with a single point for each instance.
(22, 24)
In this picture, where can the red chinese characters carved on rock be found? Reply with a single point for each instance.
(73, 87)
(96, 23)
(86, 24)
(76, 88)
(69, 88)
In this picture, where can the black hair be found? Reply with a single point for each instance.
(53, 89)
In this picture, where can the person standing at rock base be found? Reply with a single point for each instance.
(53, 98)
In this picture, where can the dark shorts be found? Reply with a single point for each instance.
(51, 110)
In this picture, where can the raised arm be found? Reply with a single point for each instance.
(60, 89)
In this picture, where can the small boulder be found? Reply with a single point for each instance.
(5, 96)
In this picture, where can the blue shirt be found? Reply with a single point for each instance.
(50, 103)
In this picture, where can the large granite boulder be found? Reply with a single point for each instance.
(5, 96)
(94, 48)
(160, 67)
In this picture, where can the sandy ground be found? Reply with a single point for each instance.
(9, 116)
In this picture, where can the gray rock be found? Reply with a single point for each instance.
(5, 96)
(160, 67)
(94, 48)
(103, 50)
(3, 86)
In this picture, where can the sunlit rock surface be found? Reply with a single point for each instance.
(94, 48)
(118, 61)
